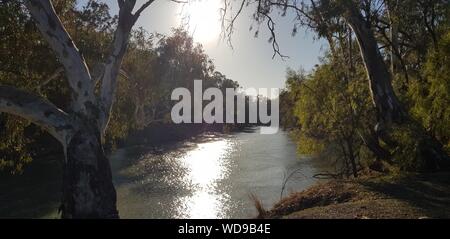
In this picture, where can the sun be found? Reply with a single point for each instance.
(202, 19)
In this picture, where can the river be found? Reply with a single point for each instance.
(211, 176)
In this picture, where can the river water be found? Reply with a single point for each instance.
(211, 176)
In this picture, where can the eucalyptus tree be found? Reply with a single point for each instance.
(88, 191)
(326, 18)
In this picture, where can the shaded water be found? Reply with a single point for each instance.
(209, 177)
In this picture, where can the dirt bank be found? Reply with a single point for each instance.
(406, 196)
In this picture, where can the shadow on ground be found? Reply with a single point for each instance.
(429, 192)
(34, 194)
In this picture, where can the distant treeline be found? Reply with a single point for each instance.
(153, 66)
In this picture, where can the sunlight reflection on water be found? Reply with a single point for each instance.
(206, 165)
(207, 177)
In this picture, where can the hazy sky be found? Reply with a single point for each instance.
(250, 60)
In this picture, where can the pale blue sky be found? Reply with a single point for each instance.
(250, 61)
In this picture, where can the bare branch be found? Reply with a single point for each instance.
(142, 8)
(261, 14)
(55, 75)
(230, 28)
(271, 27)
(37, 110)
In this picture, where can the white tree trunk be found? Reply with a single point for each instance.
(386, 102)
(68, 54)
(88, 191)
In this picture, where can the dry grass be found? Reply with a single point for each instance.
(262, 213)
(413, 196)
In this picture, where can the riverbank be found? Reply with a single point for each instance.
(410, 196)
(158, 134)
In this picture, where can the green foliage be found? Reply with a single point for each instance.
(25, 62)
(331, 107)
(431, 96)
(149, 73)
(327, 110)
(28, 63)
(408, 151)
(429, 100)
(289, 97)
(13, 144)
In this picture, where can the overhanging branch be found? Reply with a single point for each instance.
(37, 110)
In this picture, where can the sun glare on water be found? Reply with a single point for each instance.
(202, 19)
(206, 166)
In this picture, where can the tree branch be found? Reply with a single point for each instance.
(112, 65)
(52, 77)
(119, 46)
(37, 110)
(273, 36)
(142, 8)
(68, 54)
